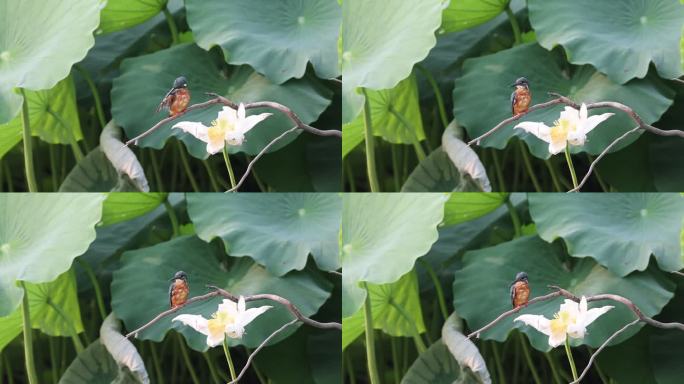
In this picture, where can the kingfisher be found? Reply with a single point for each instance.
(177, 99)
(521, 96)
(179, 289)
(520, 290)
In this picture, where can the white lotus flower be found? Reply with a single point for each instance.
(229, 127)
(572, 127)
(229, 320)
(571, 320)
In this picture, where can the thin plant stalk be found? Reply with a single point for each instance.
(528, 166)
(514, 24)
(155, 170)
(186, 359)
(186, 165)
(172, 26)
(420, 345)
(438, 94)
(528, 358)
(172, 217)
(554, 176)
(370, 147)
(370, 337)
(350, 369)
(96, 286)
(438, 288)
(568, 158)
(570, 359)
(28, 146)
(554, 368)
(78, 345)
(212, 369)
(96, 96)
(157, 366)
(395, 167)
(499, 173)
(53, 361)
(514, 217)
(28, 339)
(395, 360)
(229, 359)
(420, 153)
(497, 361)
(212, 177)
(255, 175)
(78, 153)
(229, 167)
(255, 367)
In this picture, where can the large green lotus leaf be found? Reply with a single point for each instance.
(482, 97)
(438, 366)
(382, 236)
(385, 298)
(120, 206)
(140, 290)
(52, 116)
(479, 300)
(619, 38)
(122, 14)
(96, 366)
(40, 235)
(277, 230)
(620, 231)
(44, 301)
(381, 41)
(464, 14)
(385, 106)
(462, 207)
(145, 80)
(39, 43)
(277, 38)
(324, 351)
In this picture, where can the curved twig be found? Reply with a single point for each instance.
(263, 343)
(218, 99)
(605, 343)
(223, 293)
(600, 156)
(564, 293)
(254, 160)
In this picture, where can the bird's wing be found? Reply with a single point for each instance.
(170, 297)
(166, 101)
(512, 289)
(512, 101)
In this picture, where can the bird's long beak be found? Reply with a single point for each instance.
(172, 279)
(512, 85)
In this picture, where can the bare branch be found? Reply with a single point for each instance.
(223, 293)
(513, 311)
(605, 343)
(562, 292)
(678, 273)
(560, 99)
(285, 302)
(218, 99)
(603, 153)
(514, 118)
(263, 343)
